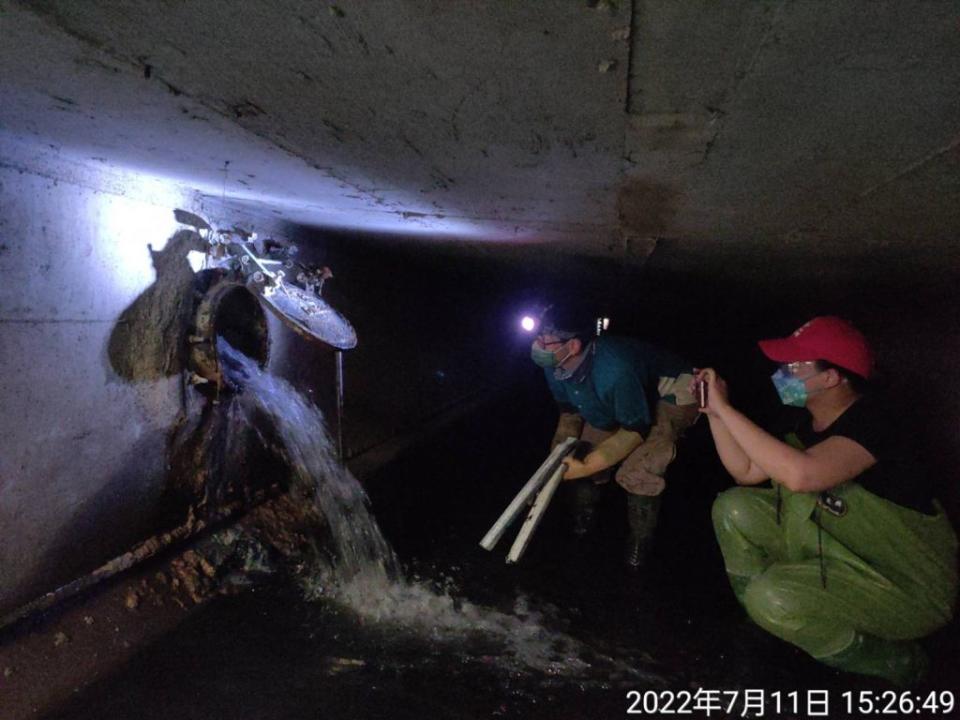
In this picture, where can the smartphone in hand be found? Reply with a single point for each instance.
(701, 392)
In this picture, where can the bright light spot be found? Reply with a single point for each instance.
(606, 323)
(528, 323)
(196, 260)
(128, 231)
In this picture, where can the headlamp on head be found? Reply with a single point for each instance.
(564, 323)
(536, 322)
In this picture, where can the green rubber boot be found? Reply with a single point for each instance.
(739, 584)
(642, 514)
(901, 662)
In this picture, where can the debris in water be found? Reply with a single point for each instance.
(87, 620)
(611, 6)
(188, 578)
(8, 672)
(60, 639)
(342, 664)
(198, 561)
(132, 599)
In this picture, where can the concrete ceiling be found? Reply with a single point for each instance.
(610, 128)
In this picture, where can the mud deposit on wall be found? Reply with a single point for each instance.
(148, 340)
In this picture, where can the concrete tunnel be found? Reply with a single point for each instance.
(704, 174)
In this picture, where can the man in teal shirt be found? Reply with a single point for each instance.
(630, 400)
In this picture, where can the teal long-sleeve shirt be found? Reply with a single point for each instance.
(616, 386)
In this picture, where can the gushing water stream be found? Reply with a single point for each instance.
(359, 545)
(366, 575)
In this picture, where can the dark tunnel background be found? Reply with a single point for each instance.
(438, 329)
(436, 501)
(439, 326)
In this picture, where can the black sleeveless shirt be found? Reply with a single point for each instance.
(898, 475)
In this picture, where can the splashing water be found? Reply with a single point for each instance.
(360, 546)
(366, 576)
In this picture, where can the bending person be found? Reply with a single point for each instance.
(847, 555)
(630, 400)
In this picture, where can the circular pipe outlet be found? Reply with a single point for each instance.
(228, 310)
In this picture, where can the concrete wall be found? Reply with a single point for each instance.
(82, 448)
(95, 296)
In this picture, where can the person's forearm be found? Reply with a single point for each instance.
(612, 450)
(607, 454)
(774, 457)
(734, 459)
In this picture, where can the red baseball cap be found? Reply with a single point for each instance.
(824, 338)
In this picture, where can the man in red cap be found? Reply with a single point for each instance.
(846, 554)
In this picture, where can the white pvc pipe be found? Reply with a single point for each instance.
(533, 485)
(536, 513)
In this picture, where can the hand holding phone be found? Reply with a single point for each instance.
(701, 390)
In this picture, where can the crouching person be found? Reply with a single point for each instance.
(846, 555)
(630, 400)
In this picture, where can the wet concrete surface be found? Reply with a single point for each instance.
(271, 654)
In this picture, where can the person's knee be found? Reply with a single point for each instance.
(773, 605)
(792, 607)
(654, 455)
(636, 479)
(732, 508)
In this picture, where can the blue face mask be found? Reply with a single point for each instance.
(792, 390)
(545, 358)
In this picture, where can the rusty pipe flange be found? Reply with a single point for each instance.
(227, 309)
